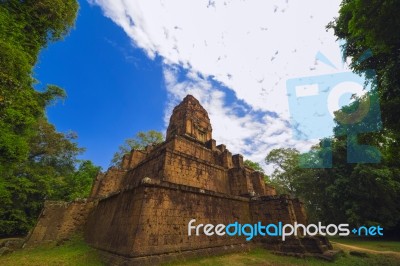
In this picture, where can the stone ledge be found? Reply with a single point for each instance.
(172, 186)
(148, 182)
(194, 158)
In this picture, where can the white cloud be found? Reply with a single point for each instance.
(252, 134)
(250, 47)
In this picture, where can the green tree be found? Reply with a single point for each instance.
(25, 28)
(253, 165)
(257, 167)
(373, 26)
(357, 193)
(368, 193)
(34, 157)
(287, 171)
(52, 158)
(139, 142)
(79, 183)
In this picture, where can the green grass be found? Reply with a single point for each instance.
(370, 243)
(73, 252)
(76, 252)
(262, 257)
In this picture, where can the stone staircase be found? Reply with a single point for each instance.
(308, 246)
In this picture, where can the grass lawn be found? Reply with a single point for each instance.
(261, 257)
(370, 243)
(76, 252)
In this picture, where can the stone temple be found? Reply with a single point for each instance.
(138, 213)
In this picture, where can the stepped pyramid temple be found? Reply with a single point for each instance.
(139, 213)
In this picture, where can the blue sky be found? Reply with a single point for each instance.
(128, 63)
(114, 90)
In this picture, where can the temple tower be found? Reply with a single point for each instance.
(190, 119)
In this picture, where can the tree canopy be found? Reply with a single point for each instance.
(253, 165)
(358, 193)
(374, 26)
(36, 161)
(138, 142)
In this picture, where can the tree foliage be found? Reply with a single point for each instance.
(253, 165)
(36, 161)
(374, 26)
(25, 28)
(354, 193)
(79, 183)
(358, 193)
(139, 142)
(287, 171)
(257, 167)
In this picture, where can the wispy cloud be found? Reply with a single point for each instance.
(248, 47)
(244, 130)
